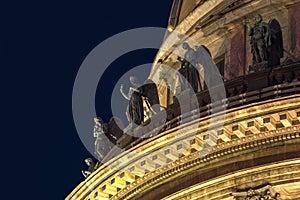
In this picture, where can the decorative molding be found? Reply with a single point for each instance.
(223, 187)
(159, 158)
(264, 193)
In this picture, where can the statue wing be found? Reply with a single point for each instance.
(136, 110)
(276, 36)
(115, 128)
(149, 90)
(275, 43)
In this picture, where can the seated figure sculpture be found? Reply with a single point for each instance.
(91, 167)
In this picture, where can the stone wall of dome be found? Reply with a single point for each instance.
(249, 150)
(218, 25)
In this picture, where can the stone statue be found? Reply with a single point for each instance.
(251, 195)
(137, 95)
(206, 75)
(90, 163)
(100, 127)
(190, 54)
(266, 41)
(260, 40)
(102, 142)
(188, 71)
(259, 194)
(134, 111)
(277, 196)
(195, 75)
(268, 196)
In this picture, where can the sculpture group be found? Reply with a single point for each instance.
(143, 99)
(143, 103)
(260, 194)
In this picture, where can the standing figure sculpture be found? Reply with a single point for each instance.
(260, 40)
(136, 96)
(102, 143)
(188, 71)
(134, 111)
(196, 75)
(266, 41)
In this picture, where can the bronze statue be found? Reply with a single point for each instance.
(188, 71)
(134, 111)
(136, 96)
(191, 76)
(260, 40)
(90, 163)
(194, 75)
(266, 41)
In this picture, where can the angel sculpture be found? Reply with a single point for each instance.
(188, 71)
(138, 95)
(266, 41)
(196, 67)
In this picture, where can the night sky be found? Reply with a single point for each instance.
(43, 45)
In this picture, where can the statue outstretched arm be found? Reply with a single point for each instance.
(123, 93)
(131, 90)
(246, 22)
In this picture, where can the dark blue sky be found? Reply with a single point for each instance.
(43, 45)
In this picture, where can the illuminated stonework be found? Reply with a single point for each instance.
(256, 149)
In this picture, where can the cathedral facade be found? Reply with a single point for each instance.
(240, 146)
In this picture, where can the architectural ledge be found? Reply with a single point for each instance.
(247, 131)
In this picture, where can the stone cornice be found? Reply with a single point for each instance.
(193, 163)
(189, 159)
(223, 187)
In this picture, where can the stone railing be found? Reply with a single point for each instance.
(254, 87)
(257, 123)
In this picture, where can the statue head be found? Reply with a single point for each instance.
(185, 46)
(258, 18)
(134, 81)
(88, 161)
(99, 128)
(98, 121)
(250, 192)
(185, 64)
(268, 192)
